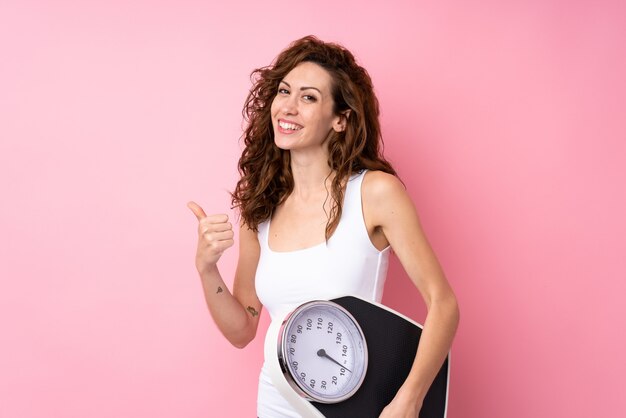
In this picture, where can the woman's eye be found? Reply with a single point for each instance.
(309, 98)
(283, 91)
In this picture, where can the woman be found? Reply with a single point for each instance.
(316, 196)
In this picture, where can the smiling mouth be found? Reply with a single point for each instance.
(286, 126)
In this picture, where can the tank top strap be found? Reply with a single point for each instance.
(263, 231)
(352, 222)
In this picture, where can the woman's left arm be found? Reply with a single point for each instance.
(389, 210)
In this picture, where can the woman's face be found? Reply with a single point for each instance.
(302, 110)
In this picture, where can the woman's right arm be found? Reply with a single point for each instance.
(236, 314)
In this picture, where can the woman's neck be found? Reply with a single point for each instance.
(310, 175)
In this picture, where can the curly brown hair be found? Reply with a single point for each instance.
(266, 178)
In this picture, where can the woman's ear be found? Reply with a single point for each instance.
(341, 121)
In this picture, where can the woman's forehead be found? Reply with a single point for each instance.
(309, 74)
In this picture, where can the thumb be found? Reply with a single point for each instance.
(197, 210)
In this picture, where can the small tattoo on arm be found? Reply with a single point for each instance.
(219, 289)
(252, 311)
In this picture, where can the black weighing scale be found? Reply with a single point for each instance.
(347, 357)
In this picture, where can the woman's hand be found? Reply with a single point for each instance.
(215, 235)
(403, 405)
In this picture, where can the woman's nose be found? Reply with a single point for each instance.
(290, 105)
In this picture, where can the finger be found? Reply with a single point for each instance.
(219, 218)
(218, 236)
(197, 210)
(221, 246)
(206, 225)
(215, 223)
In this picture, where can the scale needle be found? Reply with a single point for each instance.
(322, 353)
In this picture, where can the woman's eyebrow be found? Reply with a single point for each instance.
(302, 88)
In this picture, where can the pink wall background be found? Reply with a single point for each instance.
(506, 121)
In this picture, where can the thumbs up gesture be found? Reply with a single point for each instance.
(215, 235)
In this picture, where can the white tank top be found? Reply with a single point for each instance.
(348, 264)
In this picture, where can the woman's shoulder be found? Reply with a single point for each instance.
(383, 196)
(379, 185)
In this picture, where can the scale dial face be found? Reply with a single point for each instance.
(322, 352)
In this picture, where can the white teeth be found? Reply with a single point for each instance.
(289, 126)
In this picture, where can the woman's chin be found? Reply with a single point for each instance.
(284, 143)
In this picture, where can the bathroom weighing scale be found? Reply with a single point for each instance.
(347, 357)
